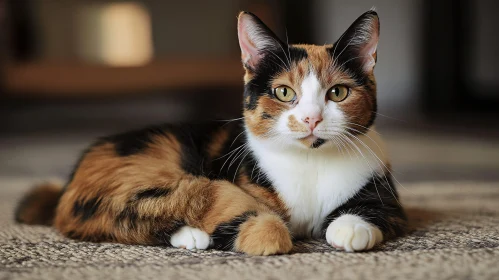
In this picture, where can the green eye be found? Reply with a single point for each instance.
(284, 93)
(338, 93)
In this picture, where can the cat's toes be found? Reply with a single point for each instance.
(351, 233)
(190, 238)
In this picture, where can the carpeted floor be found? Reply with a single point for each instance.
(455, 236)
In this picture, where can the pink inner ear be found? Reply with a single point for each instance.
(368, 51)
(369, 55)
(249, 50)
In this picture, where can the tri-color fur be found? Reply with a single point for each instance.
(249, 186)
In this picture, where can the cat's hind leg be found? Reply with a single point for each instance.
(236, 221)
(192, 212)
(146, 196)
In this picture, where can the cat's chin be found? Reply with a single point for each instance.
(311, 138)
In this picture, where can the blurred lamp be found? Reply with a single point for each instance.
(115, 34)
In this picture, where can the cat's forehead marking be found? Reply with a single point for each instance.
(318, 60)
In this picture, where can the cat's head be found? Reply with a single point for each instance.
(307, 95)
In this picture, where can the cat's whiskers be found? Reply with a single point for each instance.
(363, 134)
(337, 144)
(238, 154)
(248, 151)
(367, 161)
(380, 163)
(230, 120)
(230, 152)
(361, 126)
(287, 44)
(243, 146)
(389, 117)
(285, 67)
(236, 138)
(253, 170)
(370, 150)
(285, 55)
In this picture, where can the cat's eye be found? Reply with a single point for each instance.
(338, 93)
(284, 93)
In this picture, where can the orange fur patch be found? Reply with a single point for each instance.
(265, 234)
(296, 126)
(229, 201)
(217, 143)
(258, 125)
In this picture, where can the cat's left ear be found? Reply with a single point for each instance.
(255, 39)
(359, 43)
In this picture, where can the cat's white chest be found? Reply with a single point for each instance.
(314, 183)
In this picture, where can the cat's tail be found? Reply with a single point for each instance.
(38, 206)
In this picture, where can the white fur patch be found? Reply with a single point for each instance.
(314, 182)
(190, 238)
(351, 233)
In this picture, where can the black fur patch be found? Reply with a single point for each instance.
(318, 143)
(266, 116)
(377, 203)
(374, 112)
(133, 142)
(86, 209)
(226, 233)
(231, 158)
(127, 218)
(270, 66)
(152, 193)
(195, 140)
(256, 174)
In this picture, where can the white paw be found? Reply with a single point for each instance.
(190, 238)
(351, 233)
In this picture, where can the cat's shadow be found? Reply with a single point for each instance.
(419, 219)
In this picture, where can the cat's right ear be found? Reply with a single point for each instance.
(255, 40)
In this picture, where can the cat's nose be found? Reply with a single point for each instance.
(312, 121)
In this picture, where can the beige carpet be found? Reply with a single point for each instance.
(455, 236)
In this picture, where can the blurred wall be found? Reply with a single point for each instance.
(177, 27)
(399, 66)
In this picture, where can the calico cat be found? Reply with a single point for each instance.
(305, 162)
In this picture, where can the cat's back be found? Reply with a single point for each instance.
(177, 149)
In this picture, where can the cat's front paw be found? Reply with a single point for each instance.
(351, 233)
(190, 238)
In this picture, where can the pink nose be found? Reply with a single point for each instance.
(312, 121)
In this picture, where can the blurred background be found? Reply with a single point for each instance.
(74, 70)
